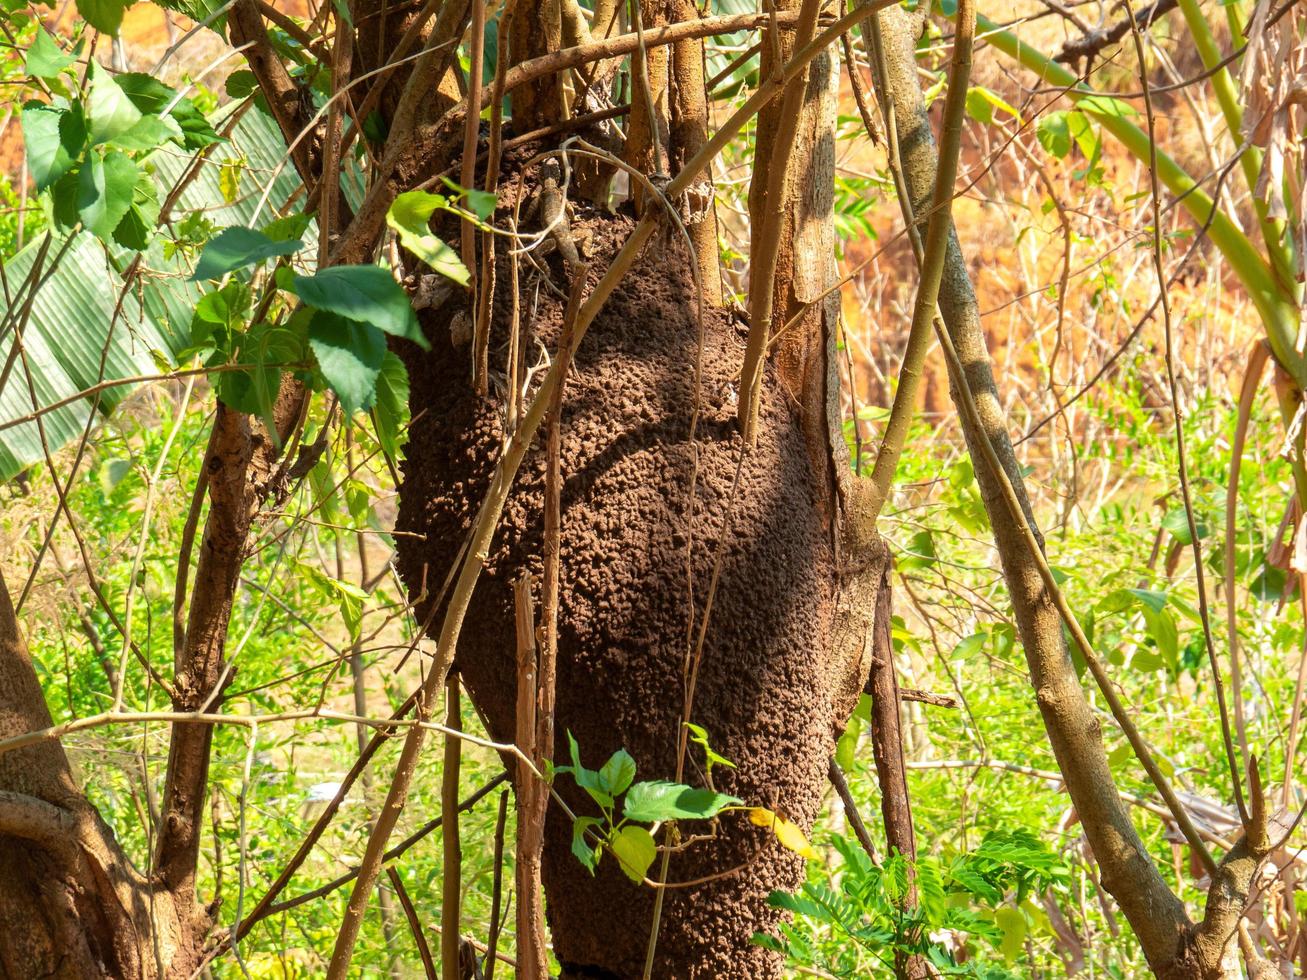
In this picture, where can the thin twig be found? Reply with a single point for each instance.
(467, 179)
(414, 924)
(451, 874)
(496, 889)
(837, 780)
(1182, 464)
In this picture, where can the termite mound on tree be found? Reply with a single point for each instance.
(642, 519)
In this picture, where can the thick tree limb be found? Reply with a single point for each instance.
(1157, 916)
(283, 96)
(241, 468)
(33, 819)
(939, 227)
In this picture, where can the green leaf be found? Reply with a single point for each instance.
(635, 851)
(288, 228)
(139, 225)
(768, 942)
(920, 552)
(588, 779)
(348, 598)
(699, 735)
(981, 103)
(350, 355)
(241, 84)
(970, 646)
(105, 16)
(45, 59)
(1054, 133)
(152, 97)
(391, 409)
(409, 216)
(366, 293)
(104, 191)
(226, 307)
(112, 472)
(149, 133)
(1085, 133)
(798, 904)
(235, 248)
(1176, 522)
(978, 108)
(1116, 601)
(264, 350)
(847, 746)
(650, 802)
(375, 128)
(480, 203)
(1152, 599)
(1162, 628)
(1147, 662)
(112, 112)
(209, 12)
(70, 346)
(44, 136)
(616, 774)
(587, 855)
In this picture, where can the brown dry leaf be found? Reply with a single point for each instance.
(1275, 117)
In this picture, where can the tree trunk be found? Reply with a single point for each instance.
(71, 905)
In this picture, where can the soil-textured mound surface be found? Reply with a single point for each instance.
(765, 686)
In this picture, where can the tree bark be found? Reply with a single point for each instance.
(887, 753)
(536, 28)
(647, 133)
(688, 131)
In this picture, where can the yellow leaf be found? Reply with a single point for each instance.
(229, 178)
(787, 833)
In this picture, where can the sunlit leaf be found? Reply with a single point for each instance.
(788, 833)
(237, 247)
(45, 59)
(350, 355)
(365, 293)
(650, 802)
(409, 216)
(635, 850)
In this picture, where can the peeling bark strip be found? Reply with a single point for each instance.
(887, 733)
(1174, 947)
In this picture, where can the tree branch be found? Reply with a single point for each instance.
(1157, 916)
